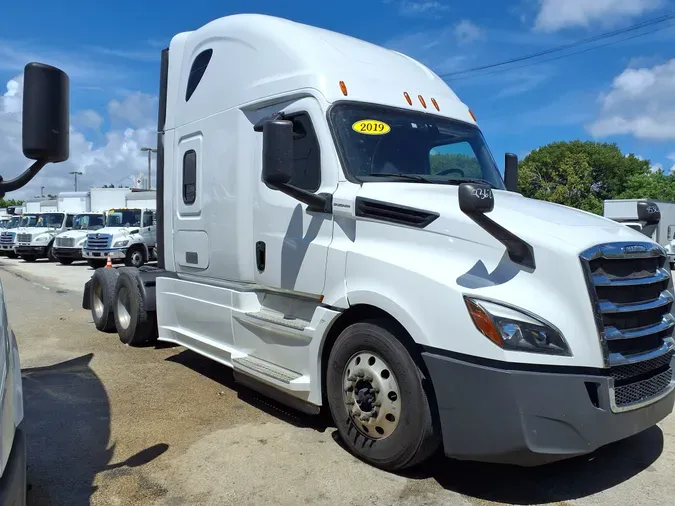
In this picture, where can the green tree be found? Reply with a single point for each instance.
(581, 174)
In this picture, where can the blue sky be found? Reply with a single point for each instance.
(621, 93)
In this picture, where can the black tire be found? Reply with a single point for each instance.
(135, 257)
(28, 258)
(135, 325)
(11, 254)
(101, 299)
(50, 253)
(96, 264)
(65, 261)
(416, 436)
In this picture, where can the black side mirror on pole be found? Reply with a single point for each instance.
(45, 122)
(511, 172)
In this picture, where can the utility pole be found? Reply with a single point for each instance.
(42, 191)
(76, 173)
(150, 152)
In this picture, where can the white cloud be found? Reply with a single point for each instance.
(88, 119)
(467, 32)
(555, 15)
(656, 167)
(113, 161)
(134, 109)
(640, 103)
(425, 8)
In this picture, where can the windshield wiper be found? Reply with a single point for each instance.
(411, 177)
(469, 180)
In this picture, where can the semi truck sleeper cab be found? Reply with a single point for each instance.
(332, 226)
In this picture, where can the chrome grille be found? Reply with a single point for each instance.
(24, 238)
(7, 238)
(631, 291)
(98, 241)
(65, 242)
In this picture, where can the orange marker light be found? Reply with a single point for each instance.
(473, 115)
(407, 97)
(484, 323)
(433, 101)
(343, 87)
(424, 104)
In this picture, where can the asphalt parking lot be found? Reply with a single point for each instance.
(112, 425)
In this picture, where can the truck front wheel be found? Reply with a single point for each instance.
(28, 258)
(135, 257)
(377, 399)
(95, 264)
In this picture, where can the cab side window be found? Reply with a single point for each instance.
(147, 219)
(69, 220)
(306, 155)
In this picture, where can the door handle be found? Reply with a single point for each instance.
(260, 255)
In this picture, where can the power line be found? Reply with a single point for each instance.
(563, 47)
(585, 50)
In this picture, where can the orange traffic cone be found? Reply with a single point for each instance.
(108, 264)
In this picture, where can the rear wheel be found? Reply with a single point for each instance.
(135, 257)
(95, 264)
(377, 399)
(135, 325)
(101, 298)
(28, 258)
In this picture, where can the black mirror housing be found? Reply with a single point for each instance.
(475, 198)
(277, 152)
(648, 212)
(46, 113)
(511, 172)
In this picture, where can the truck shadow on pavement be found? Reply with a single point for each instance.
(553, 483)
(67, 424)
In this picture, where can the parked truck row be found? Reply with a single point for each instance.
(332, 225)
(93, 225)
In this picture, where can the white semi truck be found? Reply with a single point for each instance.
(68, 245)
(8, 237)
(333, 227)
(36, 239)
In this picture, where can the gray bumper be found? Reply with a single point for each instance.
(529, 418)
(13, 480)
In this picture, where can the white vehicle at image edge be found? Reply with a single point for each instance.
(332, 226)
(129, 235)
(36, 239)
(68, 245)
(45, 139)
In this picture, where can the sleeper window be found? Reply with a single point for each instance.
(189, 177)
(197, 72)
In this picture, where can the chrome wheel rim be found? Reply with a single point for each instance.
(123, 307)
(136, 258)
(371, 395)
(98, 300)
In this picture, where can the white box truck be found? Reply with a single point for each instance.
(130, 234)
(35, 238)
(626, 211)
(74, 202)
(104, 199)
(68, 245)
(333, 227)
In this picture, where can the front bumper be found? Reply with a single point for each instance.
(7, 247)
(31, 250)
(528, 418)
(103, 254)
(67, 252)
(13, 480)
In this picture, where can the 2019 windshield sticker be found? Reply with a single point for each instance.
(371, 127)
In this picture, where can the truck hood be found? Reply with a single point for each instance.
(116, 231)
(537, 222)
(75, 234)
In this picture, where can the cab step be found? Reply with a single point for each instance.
(279, 319)
(262, 367)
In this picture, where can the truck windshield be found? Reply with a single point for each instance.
(124, 218)
(29, 220)
(380, 143)
(88, 222)
(50, 220)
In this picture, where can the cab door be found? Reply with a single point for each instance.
(290, 243)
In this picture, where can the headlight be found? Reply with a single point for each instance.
(119, 244)
(514, 330)
(83, 242)
(42, 238)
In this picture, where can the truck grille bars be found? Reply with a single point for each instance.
(7, 238)
(632, 297)
(98, 241)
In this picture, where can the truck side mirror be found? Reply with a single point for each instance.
(46, 117)
(649, 215)
(511, 172)
(475, 198)
(277, 168)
